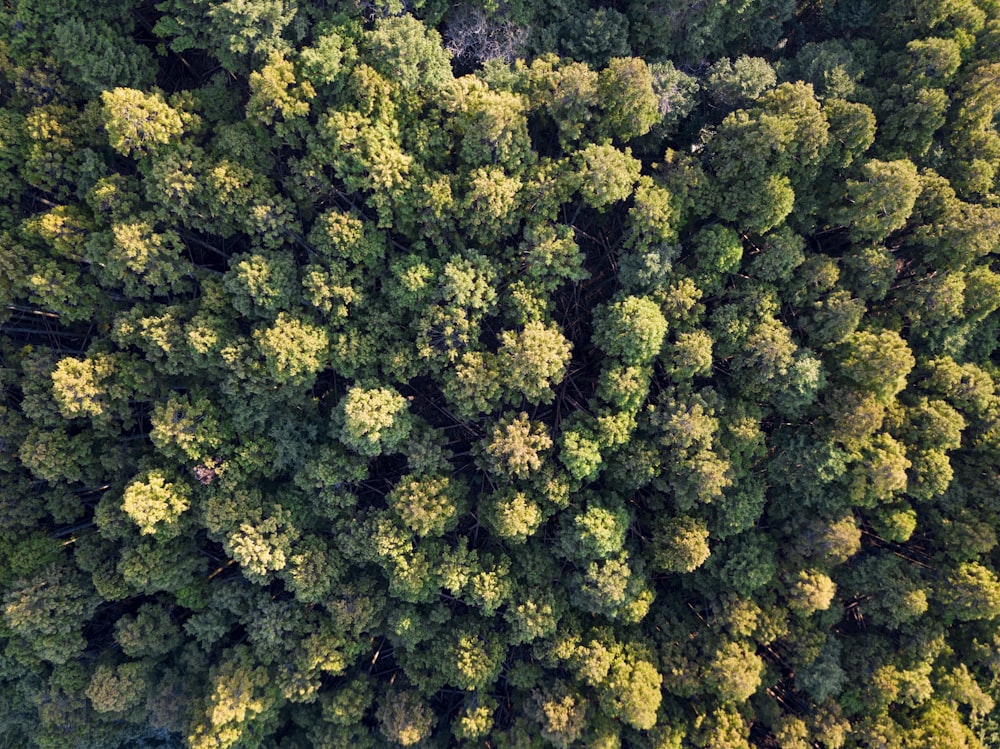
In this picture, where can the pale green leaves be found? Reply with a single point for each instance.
(155, 504)
(374, 420)
(427, 505)
(517, 447)
(606, 174)
(680, 544)
(534, 359)
(294, 350)
(139, 123)
(80, 386)
(877, 362)
(631, 329)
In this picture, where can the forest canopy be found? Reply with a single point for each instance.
(500, 374)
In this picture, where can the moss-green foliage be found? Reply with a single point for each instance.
(508, 374)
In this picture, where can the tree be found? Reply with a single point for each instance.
(971, 592)
(118, 689)
(491, 125)
(880, 471)
(427, 505)
(516, 447)
(897, 595)
(535, 359)
(876, 362)
(139, 123)
(631, 329)
(723, 728)
(402, 48)
(788, 136)
(239, 694)
(706, 32)
(680, 544)
(374, 420)
(514, 516)
(261, 285)
(594, 36)
(717, 251)
(562, 714)
(596, 533)
(47, 613)
(272, 94)
(606, 175)
(551, 257)
(733, 672)
(613, 588)
(852, 130)
(189, 427)
(81, 387)
(155, 504)
(475, 722)
(294, 350)
(148, 633)
(880, 201)
(473, 661)
(811, 591)
(745, 565)
(634, 689)
(568, 93)
(237, 34)
(737, 83)
(630, 106)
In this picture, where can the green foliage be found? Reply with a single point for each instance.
(154, 503)
(606, 174)
(404, 718)
(561, 714)
(294, 351)
(271, 92)
(238, 694)
(971, 592)
(117, 689)
(374, 420)
(811, 591)
(717, 251)
(406, 50)
(594, 36)
(631, 329)
(597, 533)
(881, 201)
(47, 611)
(236, 33)
(877, 362)
(737, 83)
(428, 505)
(534, 360)
(78, 386)
(680, 545)
(374, 376)
(707, 31)
(149, 633)
(514, 516)
(630, 104)
(139, 123)
(99, 55)
(261, 284)
(634, 688)
(516, 447)
(188, 427)
(733, 672)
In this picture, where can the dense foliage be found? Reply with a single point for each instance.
(500, 375)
